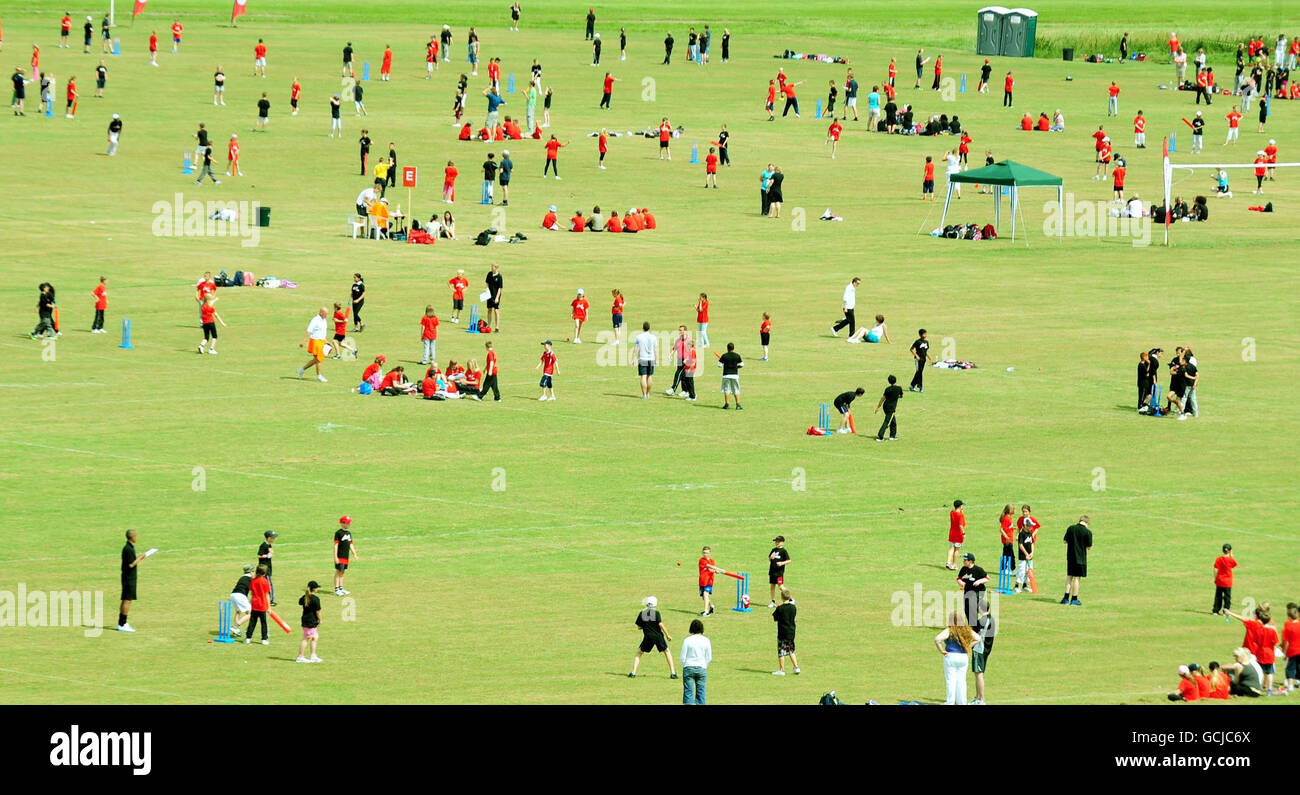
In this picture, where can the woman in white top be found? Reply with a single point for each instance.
(697, 653)
(954, 167)
(1058, 121)
(876, 333)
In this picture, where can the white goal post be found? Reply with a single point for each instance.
(1169, 167)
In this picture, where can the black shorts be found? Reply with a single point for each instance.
(546, 382)
(927, 186)
(1008, 551)
(652, 643)
(209, 331)
(128, 590)
(775, 579)
(663, 144)
(458, 303)
(339, 337)
(1073, 569)
(493, 303)
(293, 103)
(765, 337)
(645, 368)
(341, 566)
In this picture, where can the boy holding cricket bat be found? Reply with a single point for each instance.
(707, 572)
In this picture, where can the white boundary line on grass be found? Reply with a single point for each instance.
(111, 685)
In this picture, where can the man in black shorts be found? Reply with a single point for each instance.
(843, 404)
(654, 636)
(921, 353)
(668, 48)
(130, 562)
(494, 284)
(889, 404)
(344, 553)
(777, 559)
(1078, 540)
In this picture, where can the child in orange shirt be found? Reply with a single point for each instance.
(101, 304)
(765, 334)
(232, 156)
(449, 175)
(927, 180)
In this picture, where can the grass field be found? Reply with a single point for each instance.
(505, 547)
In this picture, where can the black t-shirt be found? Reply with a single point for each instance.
(1188, 372)
(1025, 538)
(1198, 125)
(242, 585)
(596, 45)
(343, 542)
(489, 170)
(445, 37)
(115, 126)
(263, 107)
(919, 62)
(784, 615)
(1175, 378)
(833, 93)
(494, 283)
(392, 158)
(986, 629)
(128, 557)
(45, 304)
(310, 608)
(970, 576)
(774, 570)
(203, 137)
(668, 43)
(101, 73)
(691, 39)
(985, 71)
(219, 78)
(365, 144)
(264, 556)
(921, 348)
(358, 93)
(358, 290)
(845, 398)
(648, 620)
(334, 108)
(730, 362)
(622, 41)
(207, 155)
(722, 139)
(347, 55)
(89, 29)
(892, 393)
(1077, 540)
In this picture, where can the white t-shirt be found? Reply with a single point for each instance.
(850, 296)
(1135, 208)
(316, 328)
(647, 346)
(698, 651)
(954, 165)
(366, 197)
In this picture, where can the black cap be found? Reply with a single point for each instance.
(779, 538)
(270, 534)
(1227, 547)
(968, 556)
(313, 585)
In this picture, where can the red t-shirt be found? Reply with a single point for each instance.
(1114, 91)
(765, 327)
(449, 175)
(370, 370)
(1205, 690)
(609, 85)
(1043, 124)
(702, 311)
(1008, 84)
(259, 51)
(206, 288)
(632, 223)
(429, 387)
(579, 308)
(176, 30)
(232, 151)
(72, 90)
(1234, 119)
(492, 363)
(833, 132)
(956, 527)
(1119, 173)
(494, 72)
(1027, 123)
(893, 69)
(647, 220)
(1005, 524)
(706, 574)
(1189, 689)
(1270, 152)
(1099, 135)
(66, 24)
(296, 91)
(1139, 124)
(788, 90)
(603, 143)
(1220, 686)
(771, 94)
(1223, 566)
(341, 322)
(929, 172)
(553, 150)
(711, 163)
(1254, 637)
(1260, 170)
(458, 285)
(1104, 153)
(1291, 635)
(615, 225)
(208, 313)
(392, 379)
(665, 131)
(1203, 79)
(965, 144)
(101, 297)
(780, 78)
(549, 220)
(548, 362)
(153, 43)
(1267, 645)
(259, 594)
(466, 133)
(1173, 45)
(579, 223)
(938, 65)
(429, 327)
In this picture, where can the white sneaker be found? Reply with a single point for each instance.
(1182, 416)
(577, 341)
(300, 370)
(202, 349)
(602, 168)
(248, 640)
(771, 604)
(301, 659)
(778, 673)
(126, 628)
(557, 176)
(213, 351)
(314, 659)
(796, 670)
(266, 642)
(543, 397)
(344, 591)
(321, 378)
(842, 430)
(552, 397)
(834, 333)
(338, 591)
(852, 341)
(668, 392)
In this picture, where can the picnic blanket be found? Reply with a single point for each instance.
(954, 364)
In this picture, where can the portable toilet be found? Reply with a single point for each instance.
(1018, 32)
(988, 35)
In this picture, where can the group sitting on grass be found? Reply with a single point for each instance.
(455, 382)
(633, 220)
(509, 130)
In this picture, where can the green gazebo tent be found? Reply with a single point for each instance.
(1012, 175)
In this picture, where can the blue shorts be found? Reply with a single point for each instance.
(618, 321)
(1266, 667)
(706, 589)
(645, 368)
(546, 382)
(872, 337)
(1293, 667)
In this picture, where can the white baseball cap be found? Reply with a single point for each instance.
(552, 207)
(1183, 670)
(505, 151)
(1271, 141)
(1260, 152)
(650, 601)
(118, 117)
(1198, 113)
(580, 291)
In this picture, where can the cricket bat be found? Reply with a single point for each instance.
(278, 620)
(1188, 123)
(1033, 582)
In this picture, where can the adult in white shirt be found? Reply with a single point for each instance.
(848, 302)
(954, 167)
(647, 353)
(314, 342)
(366, 198)
(697, 653)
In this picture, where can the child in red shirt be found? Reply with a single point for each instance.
(371, 374)
(1223, 566)
(580, 306)
(956, 532)
(833, 136)
(429, 335)
(449, 175)
(547, 364)
(765, 334)
(614, 224)
(707, 571)
(550, 220)
(101, 303)
(647, 220)
(1187, 688)
(340, 330)
(579, 224)
(552, 157)
(1291, 645)
(1118, 174)
(702, 318)
(458, 284)
(927, 180)
(259, 598)
(711, 168)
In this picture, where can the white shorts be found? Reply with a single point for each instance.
(730, 385)
(221, 89)
(240, 602)
(851, 102)
(259, 62)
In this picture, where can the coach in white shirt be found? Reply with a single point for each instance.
(647, 353)
(849, 302)
(314, 342)
(697, 653)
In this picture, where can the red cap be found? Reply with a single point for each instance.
(345, 519)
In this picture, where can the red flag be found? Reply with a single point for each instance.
(238, 10)
(139, 6)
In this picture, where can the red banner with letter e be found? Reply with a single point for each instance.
(408, 176)
(241, 6)
(139, 6)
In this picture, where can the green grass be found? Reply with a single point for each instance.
(526, 595)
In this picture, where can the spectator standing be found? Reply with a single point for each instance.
(697, 653)
(1078, 540)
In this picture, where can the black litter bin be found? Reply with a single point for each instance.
(1067, 54)
(263, 216)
